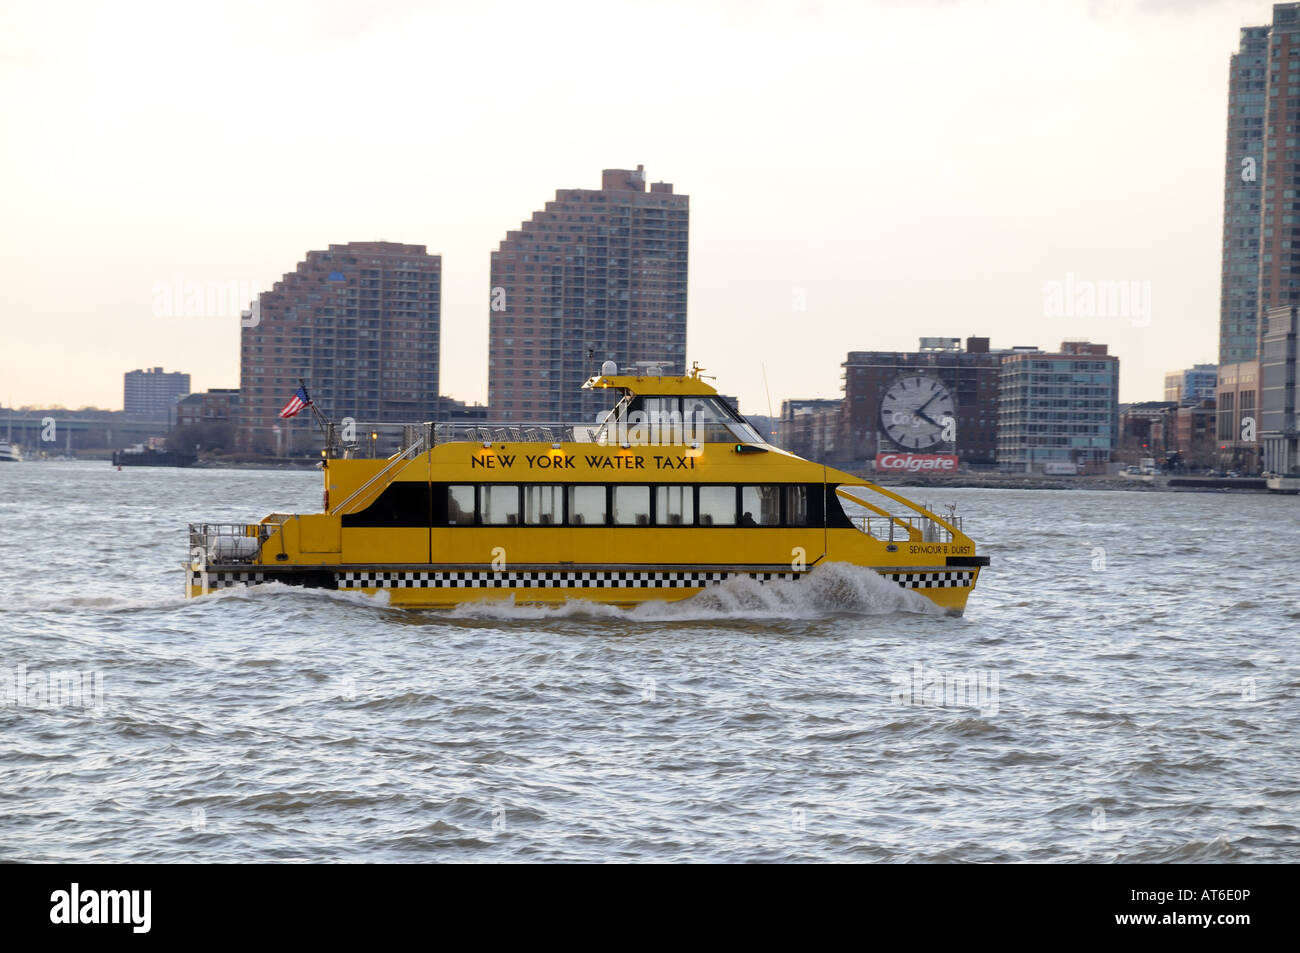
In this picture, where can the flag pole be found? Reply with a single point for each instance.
(316, 412)
(326, 425)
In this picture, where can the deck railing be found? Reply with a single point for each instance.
(227, 542)
(904, 528)
(382, 440)
(515, 432)
(385, 475)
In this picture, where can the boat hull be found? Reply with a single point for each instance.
(424, 588)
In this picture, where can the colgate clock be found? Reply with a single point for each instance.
(915, 411)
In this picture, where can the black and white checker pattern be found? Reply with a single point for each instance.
(227, 580)
(508, 579)
(948, 579)
(517, 579)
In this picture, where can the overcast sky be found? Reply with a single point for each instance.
(895, 169)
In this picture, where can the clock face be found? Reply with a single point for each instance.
(914, 412)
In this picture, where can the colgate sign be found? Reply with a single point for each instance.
(916, 462)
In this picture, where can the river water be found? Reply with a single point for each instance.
(1124, 686)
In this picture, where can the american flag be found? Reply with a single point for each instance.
(296, 403)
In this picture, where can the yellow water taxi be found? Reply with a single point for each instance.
(670, 493)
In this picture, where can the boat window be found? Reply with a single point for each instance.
(460, 505)
(739, 425)
(656, 420)
(717, 506)
(500, 505)
(632, 505)
(587, 505)
(544, 505)
(704, 421)
(796, 506)
(608, 420)
(760, 506)
(402, 503)
(675, 505)
(711, 420)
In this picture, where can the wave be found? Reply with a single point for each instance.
(829, 589)
(134, 602)
(48, 601)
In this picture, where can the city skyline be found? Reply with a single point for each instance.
(952, 200)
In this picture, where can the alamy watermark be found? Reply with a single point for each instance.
(1084, 298)
(931, 688)
(78, 905)
(57, 688)
(653, 428)
(181, 298)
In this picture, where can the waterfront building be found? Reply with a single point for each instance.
(596, 275)
(1237, 411)
(1277, 378)
(205, 421)
(1193, 385)
(218, 405)
(965, 384)
(810, 428)
(1194, 434)
(153, 392)
(1146, 429)
(1060, 408)
(360, 323)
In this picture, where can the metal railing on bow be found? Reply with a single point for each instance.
(385, 475)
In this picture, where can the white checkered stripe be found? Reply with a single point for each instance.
(561, 579)
(506, 579)
(949, 579)
(228, 580)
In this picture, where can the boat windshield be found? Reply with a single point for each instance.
(679, 420)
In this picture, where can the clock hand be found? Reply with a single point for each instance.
(927, 403)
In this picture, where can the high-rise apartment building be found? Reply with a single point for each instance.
(1279, 246)
(598, 274)
(360, 323)
(1240, 280)
(153, 392)
(1059, 408)
(1192, 385)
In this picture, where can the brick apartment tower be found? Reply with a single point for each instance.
(1240, 283)
(597, 269)
(361, 324)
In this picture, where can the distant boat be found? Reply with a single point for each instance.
(140, 456)
(10, 452)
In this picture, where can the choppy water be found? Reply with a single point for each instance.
(1144, 647)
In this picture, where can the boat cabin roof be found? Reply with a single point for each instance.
(654, 385)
